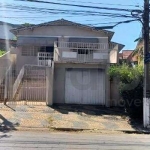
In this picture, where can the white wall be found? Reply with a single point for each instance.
(114, 55)
(146, 112)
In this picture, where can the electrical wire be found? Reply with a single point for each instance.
(99, 3)
(77, 5)
(97, 12)
(64, 11)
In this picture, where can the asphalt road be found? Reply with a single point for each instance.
(18, 140)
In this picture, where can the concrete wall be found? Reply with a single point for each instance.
(49, 85)
(59, 79)
(114, 93)
(22, 60)
(114, 55)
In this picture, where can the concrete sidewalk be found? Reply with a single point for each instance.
(66, 118)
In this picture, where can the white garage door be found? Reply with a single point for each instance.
(85, 86)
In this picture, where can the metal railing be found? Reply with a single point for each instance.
(18, 81)
(45, 58)
(27, 87)
(33, 89)
(80, 45)
(86, 53)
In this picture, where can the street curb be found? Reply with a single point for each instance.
(101, 130)
(135, 132)
(32, 129)
(68, 129)
(72, 130)
(23, 129)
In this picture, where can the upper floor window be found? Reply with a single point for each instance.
(30, 50)
(48, 49)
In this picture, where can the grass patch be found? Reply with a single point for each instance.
(2, 52)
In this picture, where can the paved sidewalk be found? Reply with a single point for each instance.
(24, 116)
(66, 117)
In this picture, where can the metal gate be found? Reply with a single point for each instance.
(33, 86)
(6, 84)
(26, 88)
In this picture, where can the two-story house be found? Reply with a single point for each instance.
(63, 62)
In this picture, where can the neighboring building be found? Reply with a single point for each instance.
(138, 52)
(128, 56)
(7, 39)
(63, 62)
(132, 58)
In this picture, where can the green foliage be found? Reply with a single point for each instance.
(133, 100)
(125, 73)
(131, 87)
(26, 24)
(2, 52)
(113, 71)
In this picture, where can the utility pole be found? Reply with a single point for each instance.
(146, 47)
(146, 61)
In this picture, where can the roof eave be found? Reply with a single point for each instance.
(120, 46)
(110, 33)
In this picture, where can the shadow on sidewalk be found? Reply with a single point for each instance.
(89, 110)
(6, 125)
(108, 113)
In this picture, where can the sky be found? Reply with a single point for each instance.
(18, 12)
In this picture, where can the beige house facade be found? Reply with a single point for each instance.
(63, 62)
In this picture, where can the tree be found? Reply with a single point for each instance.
(131, 87)
(26, 24)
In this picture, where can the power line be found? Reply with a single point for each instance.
(101, 3)
(67, 12)
(76, 5)
(27, 7)
(63, 11)
(115, 23)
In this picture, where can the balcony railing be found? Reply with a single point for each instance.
(76, 52)
(45, 58)
(80, 45)
(80, 52)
